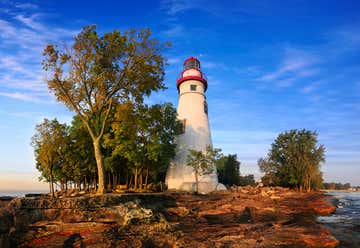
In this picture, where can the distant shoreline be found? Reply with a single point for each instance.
(21, 193)
(339, 190)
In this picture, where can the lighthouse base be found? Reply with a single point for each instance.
(182, 177)
(204, 186)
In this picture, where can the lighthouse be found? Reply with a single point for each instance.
(193, 113)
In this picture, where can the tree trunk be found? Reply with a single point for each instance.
(113, 180)
(146, 178)
(196, 182)
(95, 183)
(135, 178)
(52, 185)
(141, 180)
(128, 181)
(109, 181)
(100, 166)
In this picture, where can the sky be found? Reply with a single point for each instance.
(272, 66)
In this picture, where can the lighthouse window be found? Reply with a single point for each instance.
(192, 87)
(205, 107)
(183, 125)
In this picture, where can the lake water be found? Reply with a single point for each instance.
(20, 193)
(345, 222)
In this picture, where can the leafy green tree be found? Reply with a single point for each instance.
(271, 177)
(144, 136)
(247, 180)
(99, 71)
(202, 162)
(80, 156)
(336, 186)
(228, 169)
(49, 144)
(294, 160)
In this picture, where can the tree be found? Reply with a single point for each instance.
(202, 162)
(247, 180)
(294, 160)
(49, 143)
(99, 71)
(271, 177)
(228, 169)
(80, 157)
(144, 136)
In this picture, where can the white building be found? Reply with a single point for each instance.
(193, 113)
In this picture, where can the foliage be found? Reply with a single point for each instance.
(294, 161)
(271, 177)
(50, 142)
(147, 133)
(247, 180)
(144, 136)
(98, 72)
(202, 162)
(336, 186)
(228, 169)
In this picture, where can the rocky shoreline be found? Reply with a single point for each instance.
(242, 217)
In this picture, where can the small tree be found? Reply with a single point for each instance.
(271, 177)
(228, 169)
(202, 162)
(50, 142)
(247, 180)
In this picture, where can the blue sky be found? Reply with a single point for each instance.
(271, 65)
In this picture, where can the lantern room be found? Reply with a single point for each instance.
(192, 63)
(191, 71)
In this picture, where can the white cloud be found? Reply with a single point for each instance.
(29, 97)
(296, 64)
(6, 29)
(349, 36)
(30, 21)
(311, 87)
(11, 63)
(214, 65)
(175, 30)
(22, 39)
(26, 6)
(173, 61)
(173, 7)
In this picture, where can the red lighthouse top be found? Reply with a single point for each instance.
(191, 64)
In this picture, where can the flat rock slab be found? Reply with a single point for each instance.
(245, 217)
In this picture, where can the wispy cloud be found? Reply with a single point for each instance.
(174, 61)
(23, 35)
(347, 36)
(26, 6)
(173, 7)
(28, 97)
(214, 65)
(296, 64)
(30, 21)
(311, 87)
(174, 30)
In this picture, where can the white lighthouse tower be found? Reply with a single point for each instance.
(193, 113)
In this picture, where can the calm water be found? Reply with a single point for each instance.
(345, 222)
(20, 193)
